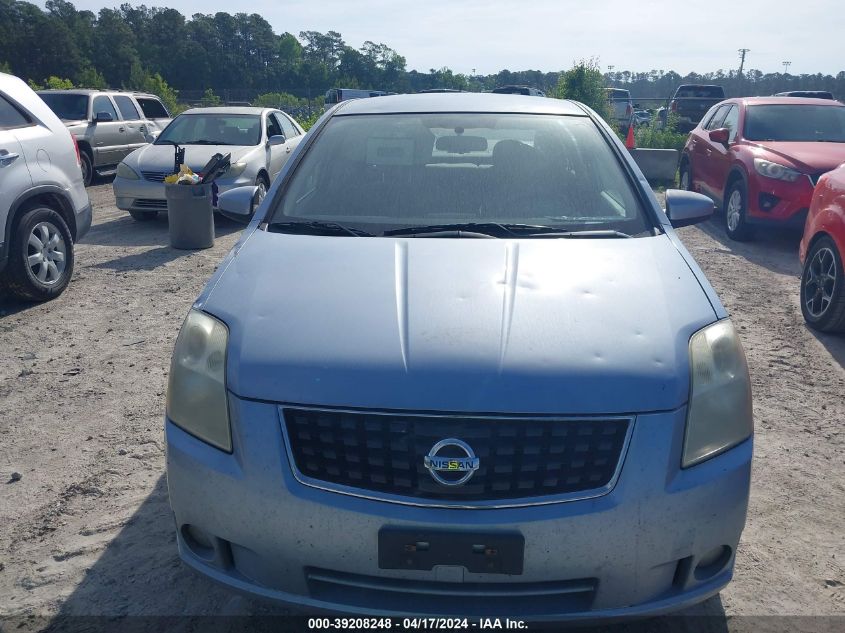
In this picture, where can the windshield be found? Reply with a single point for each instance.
(378, 173)
(213, 129)
(69, 107)
(798, 123)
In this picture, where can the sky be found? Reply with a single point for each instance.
(548, 35)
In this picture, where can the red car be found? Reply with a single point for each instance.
(760, 157)
(822, 281)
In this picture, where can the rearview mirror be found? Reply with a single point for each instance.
(276, 139)
(237, 201)
(720, 136)
(103, 117)
(684, 208)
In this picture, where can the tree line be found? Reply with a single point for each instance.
(239, 57)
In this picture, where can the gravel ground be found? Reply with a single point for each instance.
(86, 529)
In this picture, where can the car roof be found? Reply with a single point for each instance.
(774, 100)
(459, 102)
(88, 91)
(228, 110)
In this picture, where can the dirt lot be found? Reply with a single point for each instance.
(87, 530)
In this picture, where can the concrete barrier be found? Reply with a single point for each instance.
(657, 165)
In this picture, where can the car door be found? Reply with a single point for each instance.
(135, 130)
(14, 174)
(109, 136)
(293, 133)
(721, 156)
(703, 152)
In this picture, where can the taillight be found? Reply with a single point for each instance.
(629, 110)
(76, 147)
(673, 106)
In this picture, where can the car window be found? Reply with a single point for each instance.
(731, 122)
(273, 127)
(103, 104)
(152, 108)
(712, 92)
(127, 109)
(66, 106)
(11, 116)
(381, 172)
(287, 127)
(716, 122)
(796, 123)
(213, 129)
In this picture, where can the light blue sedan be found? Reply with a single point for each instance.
(460, 364)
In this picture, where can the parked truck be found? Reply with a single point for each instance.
(689, 103)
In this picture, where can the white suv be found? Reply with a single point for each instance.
(44, 208)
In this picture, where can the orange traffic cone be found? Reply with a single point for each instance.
(630, 143)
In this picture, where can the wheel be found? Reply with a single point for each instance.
(736, 206)
(87, 168)
(143, 216)
(823, 287)
(685, 179)
(263, 185)
(41, 257)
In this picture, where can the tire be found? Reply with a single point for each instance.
(736, 212)
(87, 168)
(685, 173)
(263, 186)
(41, 256)
(823, 287)
(143, 216)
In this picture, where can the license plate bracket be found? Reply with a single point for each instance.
(478, 552)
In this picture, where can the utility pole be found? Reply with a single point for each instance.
(742, 52)
(786, 66)
(610, 68)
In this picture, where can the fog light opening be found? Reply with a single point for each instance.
(198, 541)
(712, 562)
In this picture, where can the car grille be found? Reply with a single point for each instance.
(451, 598)
(520, 458)
(155, 176)
(150, 203)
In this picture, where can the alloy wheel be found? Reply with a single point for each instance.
(46, 253)
(734, 213)
(820, 282)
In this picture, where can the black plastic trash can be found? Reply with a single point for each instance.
(190, 216)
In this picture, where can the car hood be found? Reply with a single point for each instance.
(533, 326)
(160, 157)
(808, 157)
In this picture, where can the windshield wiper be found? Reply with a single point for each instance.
(316, 227)
(498, 230)
(466, 229)
(596, 233)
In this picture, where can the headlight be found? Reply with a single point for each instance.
(235, 170)
(775, 170)
(719, 415)
(125, 171)
(196, 390)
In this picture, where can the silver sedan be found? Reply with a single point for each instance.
(260, 140)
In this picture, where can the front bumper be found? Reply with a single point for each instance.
(633, 552)
(778, 202)
(147, 195)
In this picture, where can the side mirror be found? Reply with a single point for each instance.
(684, 208)
(237, 201)
(720, 136)
(103, 117)
(278, 139)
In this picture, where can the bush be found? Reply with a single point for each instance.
(91, 78)
(307, 121)
(649, 137)
(209, 99)
(52, 83)
(585, 83)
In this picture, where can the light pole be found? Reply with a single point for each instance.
(786, 66)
